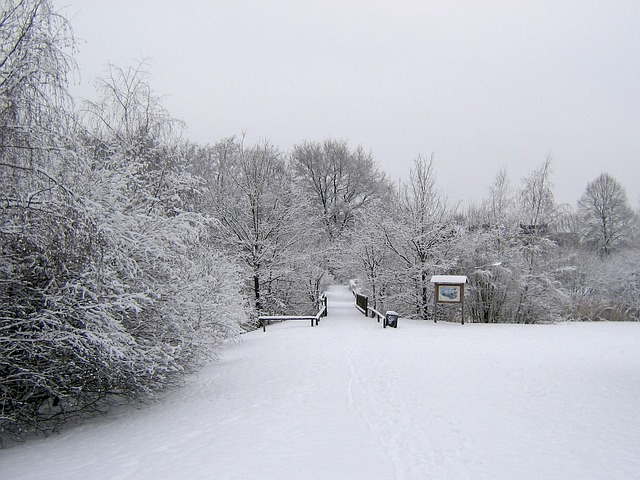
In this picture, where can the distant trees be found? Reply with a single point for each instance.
(368, 254)
(523, 254)
(546, 273)
(605, 286)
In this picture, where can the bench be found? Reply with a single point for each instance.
(280, 318)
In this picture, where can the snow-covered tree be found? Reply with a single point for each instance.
(44, 228)
(607, 222)
(365, 254)
(338, 181)
(541, 296)
(516, 267)
(421, 236)
(260, 219)
(488, 248)
(156, 247)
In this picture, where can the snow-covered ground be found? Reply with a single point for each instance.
(351, 400)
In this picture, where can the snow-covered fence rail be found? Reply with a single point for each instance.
(377, 314)
(362, 304)
(388, 319)
(264, 319)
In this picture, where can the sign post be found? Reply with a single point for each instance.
(449, 289)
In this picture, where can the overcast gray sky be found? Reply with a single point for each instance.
(482, 85)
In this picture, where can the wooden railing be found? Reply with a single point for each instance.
(362, 304)
(376, 314)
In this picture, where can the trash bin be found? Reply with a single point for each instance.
(391, 319)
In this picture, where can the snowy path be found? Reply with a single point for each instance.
(350, 400)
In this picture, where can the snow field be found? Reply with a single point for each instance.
(351, 400)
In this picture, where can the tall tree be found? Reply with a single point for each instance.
(487, 247)
(420, 236)
(259, 214)
(339, 181)
(537, 271)
(536, 199)
(606, 218)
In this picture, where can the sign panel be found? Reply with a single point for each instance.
(449, 293)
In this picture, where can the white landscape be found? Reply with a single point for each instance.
(351, 400)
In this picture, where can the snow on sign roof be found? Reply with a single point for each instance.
(449, 279)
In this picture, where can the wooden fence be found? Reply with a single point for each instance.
(362, 304)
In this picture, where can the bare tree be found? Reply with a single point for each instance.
(606, 218)
(420, 236)
(339, 181)
(488, 249)
(368, 253)
(499, 206)
(536, 199)
(260, 216)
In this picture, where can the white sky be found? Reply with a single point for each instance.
(482, 85)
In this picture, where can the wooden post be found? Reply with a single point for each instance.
(462, 301)
(435, 306)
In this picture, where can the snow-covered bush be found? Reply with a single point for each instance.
(606, 287)
(111, 287)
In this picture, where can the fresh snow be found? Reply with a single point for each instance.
(351, 400)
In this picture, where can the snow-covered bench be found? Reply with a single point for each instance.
(280, 318)
(263, 320)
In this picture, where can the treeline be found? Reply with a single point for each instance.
(528, 259)
(129, 254)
